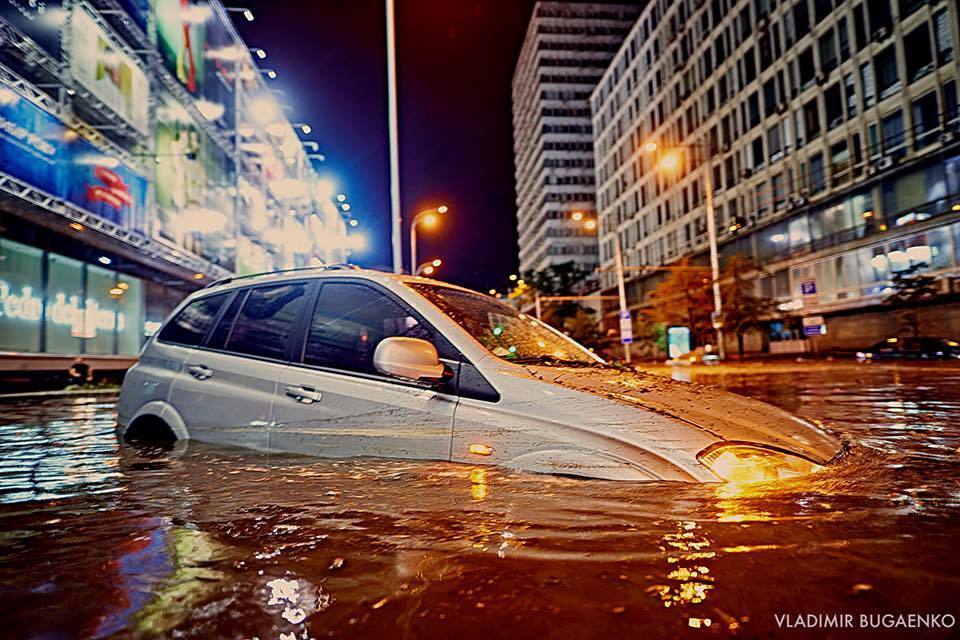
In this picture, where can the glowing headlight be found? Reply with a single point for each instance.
(743, 464)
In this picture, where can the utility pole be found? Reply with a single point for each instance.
(395, 220)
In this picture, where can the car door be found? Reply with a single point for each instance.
(332, 401)
(226, 390)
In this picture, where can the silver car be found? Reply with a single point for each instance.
(340, 362)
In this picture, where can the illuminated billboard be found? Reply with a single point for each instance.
(36, 147)
(106, 71)
(195, 187)
(181, 38)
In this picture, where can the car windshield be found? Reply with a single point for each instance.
(503, 330)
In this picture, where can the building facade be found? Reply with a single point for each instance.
(830, 131)
(141, 157)
(566, 48)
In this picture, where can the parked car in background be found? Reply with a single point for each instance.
(338, 362)
(911, 349)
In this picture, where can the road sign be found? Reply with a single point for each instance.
(808, 287)
(626, 327)
(814, 330)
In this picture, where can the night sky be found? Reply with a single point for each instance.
(455, 60)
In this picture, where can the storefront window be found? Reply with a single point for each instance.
(874, 269)
(848, 280)
(101, 320)
(130, 308)
(65, 322)
(21, 301)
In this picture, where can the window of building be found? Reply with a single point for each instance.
(859, 27)
(811, 119)
(818, 180)
(941, 22)
(881, 18)
(888, 80)
(833, 104)
(926, 126)
(828, 51)
(866, 80)
(757, 150)
(893, 134)
(774, 145)
(801, 17)
(192, 323)
(952, 115)
(851, 95)
(753, 107)
(843, 38)
(839, 162)
(349, 322)
(918, 52)
(806, 66)
(769, 96)
(266, 320)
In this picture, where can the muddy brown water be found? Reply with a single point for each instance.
(99, 540)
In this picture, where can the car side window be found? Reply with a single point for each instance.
(348, 323)
(266, 321)
(192, 323)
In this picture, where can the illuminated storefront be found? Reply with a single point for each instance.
(54, 304)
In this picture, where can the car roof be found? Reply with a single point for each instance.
(322, 272)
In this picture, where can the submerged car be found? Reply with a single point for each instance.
(911, 349)
(340, 362)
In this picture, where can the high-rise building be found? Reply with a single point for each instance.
(141, 156)
(831, 133)
(566, 49)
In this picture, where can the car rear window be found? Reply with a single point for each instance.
(265, 322)
(192, 323)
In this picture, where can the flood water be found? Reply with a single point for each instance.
(98, 540)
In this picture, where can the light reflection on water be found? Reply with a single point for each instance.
(201, 541)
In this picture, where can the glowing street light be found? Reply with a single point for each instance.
(244, 11)
(429, 218)
(671, 161)
(429, 268)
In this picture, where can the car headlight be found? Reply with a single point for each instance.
(741, 464)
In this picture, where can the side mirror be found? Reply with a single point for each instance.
(409, 358)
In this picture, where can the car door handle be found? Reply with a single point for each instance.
(200, 371)
(304, 394)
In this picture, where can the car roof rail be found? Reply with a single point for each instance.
(337, 266)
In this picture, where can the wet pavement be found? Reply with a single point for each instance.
(98, 540)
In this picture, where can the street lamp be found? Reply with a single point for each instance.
(428, 217)
(670, 161)
(590, 225)
(247, 13)
(429, 268)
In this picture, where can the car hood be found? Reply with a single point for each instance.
(727, 416)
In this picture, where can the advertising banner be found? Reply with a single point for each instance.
(37, 148)
(106, 71)
(195, 187)
(39, 20)
(181, 38)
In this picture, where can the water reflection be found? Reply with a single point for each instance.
(213, 542)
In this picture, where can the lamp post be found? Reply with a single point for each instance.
(428, 217)
(673, 164)
(428, 268)
(395, 221)
(590, 224)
